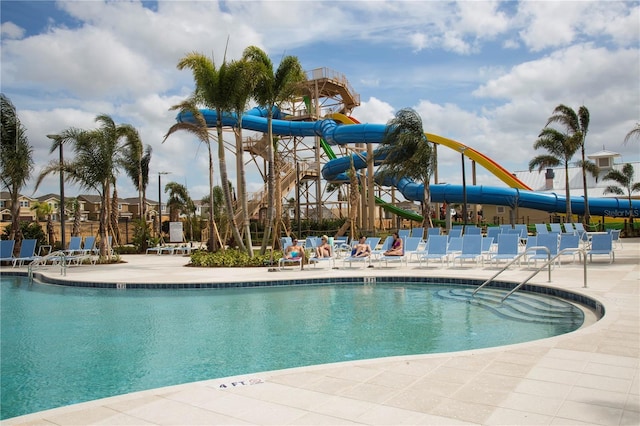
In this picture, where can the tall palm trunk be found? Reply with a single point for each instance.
(271, 206)
(225, 184)
(113, 218)
(354, 199)
(242, 188)
(587, 214)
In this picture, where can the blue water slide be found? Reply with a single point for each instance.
(334, 170)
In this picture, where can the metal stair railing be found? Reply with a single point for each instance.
(58, 256)
(547, 263)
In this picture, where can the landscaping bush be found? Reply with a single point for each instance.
(231, 258)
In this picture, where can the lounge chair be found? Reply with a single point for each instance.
(455, 232)
(541, 228)
(75, 246)
(471, 249)
(433, 231)
(556, 227)
(472, 230)
(386, 245)
(409, 246)
(570, 246)
(372, 242)
(417, 232)
(455, 246)
(615, 236)
(6, 250)
(89, 246)
(487, 247)
(331, 259)
(550, 241)
(507, 248)
(283, 261)
(493, 231)
(436, 249)
(404, 233)
(602, 244)
(27, 252)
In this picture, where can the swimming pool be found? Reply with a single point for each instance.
(63, 345)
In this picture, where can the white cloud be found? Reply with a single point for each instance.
(9, 30)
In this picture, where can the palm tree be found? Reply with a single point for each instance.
(633, 133)
(271, 89)
(72, 204)
(577, 126)
(215, 89)
(624, 179)
(44, 210)
(137, 158)
(178, 199)
(243, 88)
(16, 160)
(98, 157)
(407, 152)
(199, 128)
(560, 148)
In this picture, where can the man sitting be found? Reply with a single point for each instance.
(362, 249)
(295, 251)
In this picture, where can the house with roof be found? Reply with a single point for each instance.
(25, 212)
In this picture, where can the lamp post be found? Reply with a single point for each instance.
(464, 192)
(160, 202)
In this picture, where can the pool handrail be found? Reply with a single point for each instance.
(547, 264)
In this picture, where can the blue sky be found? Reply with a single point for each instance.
(485, 73)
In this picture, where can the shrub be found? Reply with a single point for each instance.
(231, 258)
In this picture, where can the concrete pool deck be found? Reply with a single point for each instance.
(588, 377)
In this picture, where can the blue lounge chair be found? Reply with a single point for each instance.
(548, 240)
(455, 246)
(331, 259)
(556, 227)
(472, 230)
(404, 233)
(6, 250)
(541, 228)
(386, 245)
(75, 246)
(433, 231)
(436, 249)
(493, 231)
(570, 246)
(372, 242)
(602, 244)
(417, 232)
(471, 249)
(283, 261)
(455, 232)
(27, 252)
(507, 248)
(409, 246)
(615, 236)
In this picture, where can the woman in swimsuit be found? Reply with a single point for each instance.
(396, 247)
(323, 250)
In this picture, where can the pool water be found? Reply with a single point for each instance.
(64, 345)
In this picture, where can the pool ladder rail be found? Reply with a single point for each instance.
(547, 264)
(56, 258)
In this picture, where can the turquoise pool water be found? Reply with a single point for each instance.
(63, 345)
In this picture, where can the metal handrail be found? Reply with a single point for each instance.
(548, 264)
(62, 257)
(518, 257)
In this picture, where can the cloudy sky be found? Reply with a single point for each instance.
(485, 73)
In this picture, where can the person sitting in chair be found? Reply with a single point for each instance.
(396, 247)
(324, 249)
(362, 249)
(294, 251)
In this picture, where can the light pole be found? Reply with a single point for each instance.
(464, 192)
(160, 202)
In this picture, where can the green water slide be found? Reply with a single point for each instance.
(379, 201)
